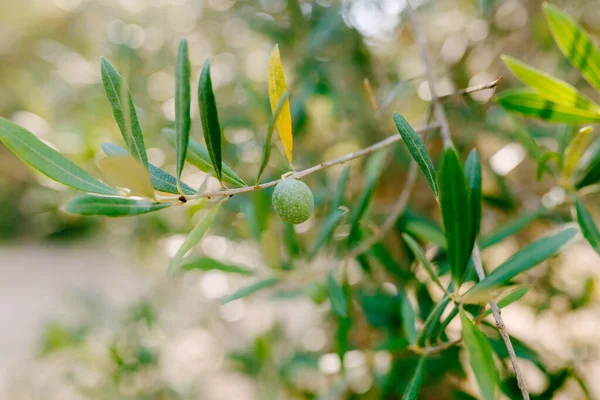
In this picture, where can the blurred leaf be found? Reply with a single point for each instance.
(548, 87)
(511, 228)
(336, 297)
(48, 161)
(431, 324)
(543, 163)
(207, 264)
(198, 156)
(338, 200)
(210, 119)
(574, 43)
(509, 299)
(250, 289)
(277, 88)
(575, 150)
(525, 259)
(111, 206)
(587, 225)
(183, 120)
(161, 180)
(408, 317)
(473, 174)
(456, 213)
(480, 357)
(194, 237)
(420, 255)
(442, 327)
(412, 390)
(326, 231)
(127, 172)
(125, 115)
(530, 104)
(590, 173)
(418, 151)
(266, 155)
(422, 228)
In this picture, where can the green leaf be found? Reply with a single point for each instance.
(126, 172)
(509, 299)
(590, 170)
(530, 104)
(412, 390)
(473, 174)
(408, 317)
(48, 161)
(575, 44)
(480, 357)
(341, 188)
(266, 155)
(420, 255)
(336, 297)
(183, 120)
(543, 163)
(207, 264)
(432, 323)
(418, 151)
(250, 289)
(125, 115)
(574, 151)
(194, 237)
(456, 213)
(525, 259)
(587, 225)
(198, 156)
(326, 231)
(548, 87)
(511, 228)
(161, 180)
(210, 119)
(111, 206)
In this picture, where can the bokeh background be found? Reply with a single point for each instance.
(86, 308)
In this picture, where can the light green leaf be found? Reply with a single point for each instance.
(183, 120)
(530, 104)
(48, 161)
(207, 264)
(125, 115)
(473, 174)
(194, 237)
(587, 225)
(525, 259)
(574, 43)
(480, 357)
(111, 206)
(574, 151)
(341, 188)
(250, 289)
(336, 297)
(420, 255)
(408, 317)
(266, 155)
(543, 163)
(414, 385)
(511, 228)
(509, 299)
(326, 231)
(548, 87)
(161, 180)
(127, 172)
(457, 217)
(198, 156)
(210, 119)
(418, 151)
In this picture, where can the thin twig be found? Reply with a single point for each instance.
(475, 88)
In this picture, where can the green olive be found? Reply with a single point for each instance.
(293, 201)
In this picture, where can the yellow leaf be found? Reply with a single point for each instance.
(124, 171)
(277, 88)
(575, 150)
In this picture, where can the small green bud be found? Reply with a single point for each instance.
(293, 201)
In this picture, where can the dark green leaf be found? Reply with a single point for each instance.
(417, 150)
(266, 155)
(432, 323)
(590, 173)
(183, 120)
(509, 299)
(473, 173)
(408, 317)
(250, 289)
(47, 160)
(587, 225)
(420, 255)
(210, 119)
(111, 206)
(412, 390)
(480, 358)
(161, 180)
(336, 297)
(125, 115)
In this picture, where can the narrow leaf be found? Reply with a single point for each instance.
(277, 88)
(183, 120)
(509, 299)
(161, 180)
(414, 385)
(525, 259)
(418, 151)
(457, 217)
(207, 264)
(336, 297)
(480, 358)
(511, 228)
(530, 104)
(250, 289)
(111, 206)
(543, 163)
(432, 323)
(338, 200)
(473, 174)
(326, 231)
(589, 173)
(574, 151)
(127, 172)
(194, 237)
(198, 156)
(575, 44)
(48, 161)
(420, 255)
(210, 119)
(266, 155)
(123, 110)
(587, 225)
(408, 317)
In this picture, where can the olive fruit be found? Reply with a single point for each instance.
(293, 201)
